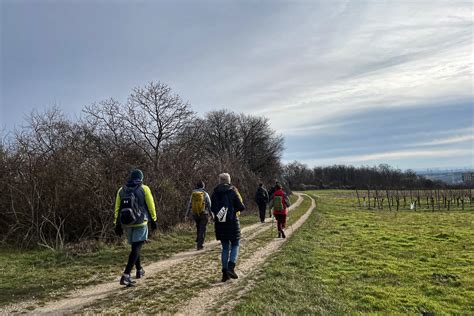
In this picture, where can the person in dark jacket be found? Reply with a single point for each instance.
(226, 207)
(199, 206)
(280, 203)
(137, 232)
(261, 198)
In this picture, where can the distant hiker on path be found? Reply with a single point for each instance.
(226, 206)
(280, 203)
(134, 208)
(261, 198)
(199, 205)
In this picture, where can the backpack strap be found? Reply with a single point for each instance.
(133, 189)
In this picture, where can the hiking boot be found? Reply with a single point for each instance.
(126, 280)
(279, 234)
(231, 271)
(140, 273)
(283, 234)
(200, 248)
(225, 275)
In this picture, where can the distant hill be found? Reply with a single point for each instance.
(453, 176)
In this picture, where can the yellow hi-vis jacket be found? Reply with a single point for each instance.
(150, 203)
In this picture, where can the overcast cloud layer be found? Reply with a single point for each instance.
(353, 82)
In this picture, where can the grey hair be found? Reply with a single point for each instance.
(224, 178)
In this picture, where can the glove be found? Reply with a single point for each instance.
(153, 225)
(118, 229)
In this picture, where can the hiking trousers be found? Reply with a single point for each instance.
(201, 226)
(134, 257)
(230, 252)
(262, 208)
(281, 221)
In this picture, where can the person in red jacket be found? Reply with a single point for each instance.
(280, 203)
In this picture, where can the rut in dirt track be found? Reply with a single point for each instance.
(208, 299)
(78, 299)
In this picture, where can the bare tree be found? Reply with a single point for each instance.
(106, 118)
(154, 116)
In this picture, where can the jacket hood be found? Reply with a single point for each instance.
(279, 192)
(134, 182)
(223, 187)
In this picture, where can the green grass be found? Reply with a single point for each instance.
(174, 286)
(345, 260)
(43, 274)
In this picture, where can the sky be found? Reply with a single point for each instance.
(345, 82)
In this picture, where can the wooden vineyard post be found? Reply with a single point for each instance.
(432, 200)
(368, 197)
(427, 201)
(418, 197)
(398, 201)
(388, 200)
(437, 200)
(448, 197)
(377, 198)
(358, 198)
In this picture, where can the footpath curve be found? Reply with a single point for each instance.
(212, 297)
(77, 299)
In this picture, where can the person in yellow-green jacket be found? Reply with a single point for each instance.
(134, 209)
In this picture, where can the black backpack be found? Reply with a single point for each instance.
(222, 208)
(130, 212)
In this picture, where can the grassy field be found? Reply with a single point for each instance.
(344, 260)
(43, 274)
(168, 290)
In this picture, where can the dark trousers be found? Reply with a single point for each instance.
(281, 221)
(201, 226)
(134, 257)
(262, 208)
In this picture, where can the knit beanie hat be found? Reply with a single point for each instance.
(136, 174)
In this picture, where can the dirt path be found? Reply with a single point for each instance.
(77, 299)
(212, 297)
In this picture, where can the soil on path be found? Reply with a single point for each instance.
(77, 299)
(215, 299)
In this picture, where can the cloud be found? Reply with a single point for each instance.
(380, 157)
(408, 154)
(343, 78)
(334, 127)
(388, 57)
(446, 141)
